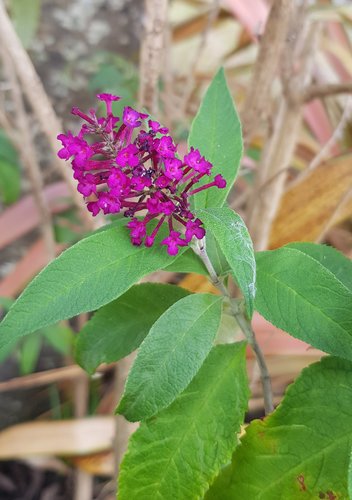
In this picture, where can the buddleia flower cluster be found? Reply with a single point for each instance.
(131, 166)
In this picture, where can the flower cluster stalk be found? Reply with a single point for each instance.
(243, 322)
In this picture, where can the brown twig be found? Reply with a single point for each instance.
(279, 150)
(189, 84)
(39, 101)
(330, 89)
(29, 156)
(151, 55)
(38, 379)
(324, 152)
(123, 428)
(257, 102)
(83, 484)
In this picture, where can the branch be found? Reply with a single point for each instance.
(29, 156)
(39, 101)
(324, 151)
(330, 89)
(269, 55)
(278, 151)
(189, 83)
(243, 323)
(152, 47)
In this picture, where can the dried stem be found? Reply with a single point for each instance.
(244, 324)
(276, 157)
(330, 89)
(151, 55)
(29, 156)
(39, 101)
(83, 487)
(278, 152)
(189, 84)
(123, 428)
(324, 152)
(257, 99)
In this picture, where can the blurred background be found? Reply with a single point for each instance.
(289, 68)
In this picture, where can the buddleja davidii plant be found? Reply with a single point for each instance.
(189, 395)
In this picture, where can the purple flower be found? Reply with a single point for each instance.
(219, 181)
(154, 206)
(138, 174)
(162, 182)
(140, 182)
(167, 208)
(118, 182)
(132, 118)
(138, 231)
(108, 99)
(93, 208)
(194, 160)
(156, 128)
(87, 185)
(108, 204)
(173, 241)
(173, 168)
(193, 228)
(128, 156)
(165, 147)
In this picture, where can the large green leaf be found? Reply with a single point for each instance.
(177, 454)
(305, 297)
(90, 274)
(170, 356)
(233, 238)
(119, 327)
(216, 132)
(330, 258)
(303, 449)
(350, 477)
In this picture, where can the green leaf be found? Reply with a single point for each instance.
(216, 256)
(303, 449)
(187, 262)
(90, 274)
(301, 295)
(6, 303)
(350, 477)
(26, 15)
(216, 132)
(60, 338)
(177, 454)
(10, 182)
(119, 327)
(170, 356)
(330, 258)
(233, 238)
(7, 151)
(29, 353)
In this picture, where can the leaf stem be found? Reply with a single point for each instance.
(200, 249)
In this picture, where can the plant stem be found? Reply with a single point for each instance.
(244, 324)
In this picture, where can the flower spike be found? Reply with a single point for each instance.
(131, 166)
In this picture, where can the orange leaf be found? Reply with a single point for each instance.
(307, 207)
